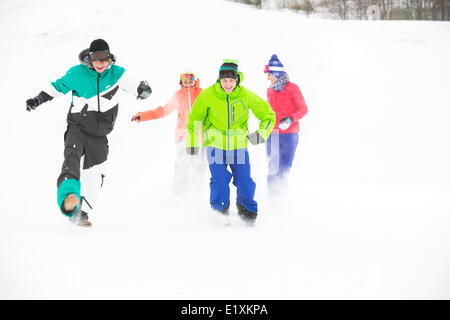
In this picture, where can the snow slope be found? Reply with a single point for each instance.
(368, 212)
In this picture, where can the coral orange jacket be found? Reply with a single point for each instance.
(182, 101)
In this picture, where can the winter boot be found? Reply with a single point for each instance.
(225, 211)
(248, 217)
(84, 220)
(80, 218)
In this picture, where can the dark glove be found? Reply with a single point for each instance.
(255, 138)
(32, 103)
(137, 117)
(192, 151)
(143, 90)
(38, 100)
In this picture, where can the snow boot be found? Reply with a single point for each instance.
(80, 218)
(248, 217)
(225, 211)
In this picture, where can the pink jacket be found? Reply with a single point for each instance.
(287, 103)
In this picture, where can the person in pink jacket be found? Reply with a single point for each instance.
(287, 101)
(188, 170)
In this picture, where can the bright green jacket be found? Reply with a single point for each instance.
(224, 117)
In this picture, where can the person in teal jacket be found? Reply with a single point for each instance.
(223, 111)
(95, 101)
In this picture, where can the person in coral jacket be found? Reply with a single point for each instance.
(187, 170)
(287, 101)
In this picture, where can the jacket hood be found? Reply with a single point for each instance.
(83, 57)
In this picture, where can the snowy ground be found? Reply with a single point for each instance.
(368, 212)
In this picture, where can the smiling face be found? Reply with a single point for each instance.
(100, 65)
(228, 84)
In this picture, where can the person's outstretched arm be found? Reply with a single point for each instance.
(139, 88)
(157, 113)
(53, 90)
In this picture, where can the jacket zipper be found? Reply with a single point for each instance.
(189, 97)
(98, 91)
(233, 114)
(206, 131)
(228, 131)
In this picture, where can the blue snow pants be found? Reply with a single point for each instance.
(280, 155)
(238, 160)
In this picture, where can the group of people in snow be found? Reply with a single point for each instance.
(212, 124)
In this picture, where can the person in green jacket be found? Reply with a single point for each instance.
(94, 84)
(223, 111)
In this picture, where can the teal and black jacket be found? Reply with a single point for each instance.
(93, 110)
(95, 101)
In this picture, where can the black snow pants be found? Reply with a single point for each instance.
(92, 152)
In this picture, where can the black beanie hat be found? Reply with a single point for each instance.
(98, 45)
(229, 69)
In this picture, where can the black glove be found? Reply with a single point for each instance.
(32, 103)
(192, 151)
(255, 138)
(38, 100)
(143, 90)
